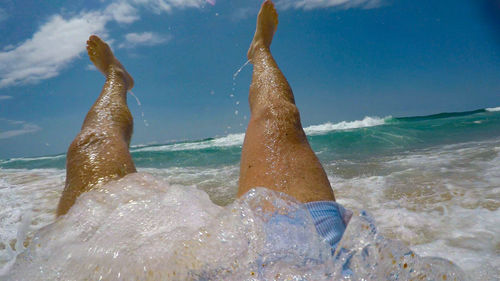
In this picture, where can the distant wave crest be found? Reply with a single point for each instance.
(28, 159)
(493, 109)
(237, 139)
(345, 125)
(229, 140)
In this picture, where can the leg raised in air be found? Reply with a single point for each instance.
(276, 153)
(100, 151)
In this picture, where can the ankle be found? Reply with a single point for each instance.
(117, 73)
(257, 51)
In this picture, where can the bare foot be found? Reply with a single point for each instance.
(267, 23)
(102, 57)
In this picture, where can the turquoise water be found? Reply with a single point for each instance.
(431, 183)
(363, 139)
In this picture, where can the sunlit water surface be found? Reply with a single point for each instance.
(179, 220)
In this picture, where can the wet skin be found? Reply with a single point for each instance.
(100, 152)
(276, 153)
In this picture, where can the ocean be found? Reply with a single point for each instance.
(425, 192)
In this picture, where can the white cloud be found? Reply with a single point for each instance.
(22, 128)
(5, 97)
(243, 13)
(159, 6)
(61, 40)
(144, 39)
(122, 12)
(52, 47)
(315, 4)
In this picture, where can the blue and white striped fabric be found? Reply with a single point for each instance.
(330, 219)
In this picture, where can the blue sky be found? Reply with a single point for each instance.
(345, 59)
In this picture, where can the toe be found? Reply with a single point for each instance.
(93, 38)
(91, 44)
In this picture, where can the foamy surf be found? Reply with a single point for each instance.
(345, 125)
(141, 228)
(431, 182)
(444, 201)
(237, 139)
(493, 109)
(229, 140)
(28, 159)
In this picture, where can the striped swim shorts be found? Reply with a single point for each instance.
(330, 219)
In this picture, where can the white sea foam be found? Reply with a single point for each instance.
(493, 109)
(141, 228)
(27, 159)
(220, 183)
(471, 236)
(345, 125)
(229, 140)
(443, 201)
(26, 194)
(237, 139)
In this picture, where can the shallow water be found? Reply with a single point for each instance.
(431, 187)
(141, 228)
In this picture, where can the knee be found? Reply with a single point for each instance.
(85, 139)
(91, 143)
(281, 112)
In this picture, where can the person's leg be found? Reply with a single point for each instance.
(276, 153)
(100, 152)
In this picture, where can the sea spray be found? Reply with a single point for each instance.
(19, 246)
(140, 107)
(232, 95)
(238, 72)
(142, 228)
